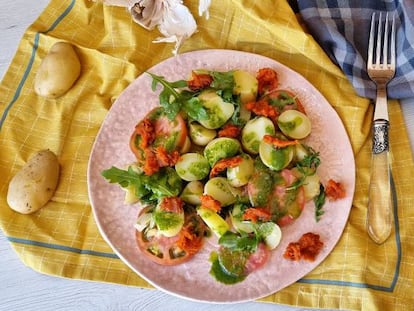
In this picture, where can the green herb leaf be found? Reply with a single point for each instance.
(311, 160)
(223, 82)
(174, 100)
(195, 109)
(236, 117)
(319, 202)
(164, 183)
(307, 167)
(126, 178)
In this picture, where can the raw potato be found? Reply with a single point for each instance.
(34, 185)
(58, 71)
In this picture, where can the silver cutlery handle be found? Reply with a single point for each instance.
(379, 221)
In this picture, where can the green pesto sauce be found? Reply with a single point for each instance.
(221, 150)
(169, 142)
(255, 146)
(279, 158)
(167, 220)
(215, 117)
(270, 130)
(248, 138)
(264, 184)
(220, 274)
(290, 125)
(199, 169)
(221, 185)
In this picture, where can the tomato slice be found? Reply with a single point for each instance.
(257, 259)
(289, 204)
(168, 251)
(171, 134)
(285, 100)
(285, 205)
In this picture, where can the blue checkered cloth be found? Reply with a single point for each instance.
(342, 29)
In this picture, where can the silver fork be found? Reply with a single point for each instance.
(381, 70)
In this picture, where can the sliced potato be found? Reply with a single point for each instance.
(192, 192)
(240, 225)
(220, 148)
(168, 223)
(220, 189)
(300, 152)
(246, 85)
(34, 185)
(311, 184)
(192, 166)
(213, 220)
(275, 158)
(219, 111)
(58, 71)
(187, 145)
(200, 135)
(240, 175)
(253, 132)
(130, 196)
(294, 124)
(271, 233)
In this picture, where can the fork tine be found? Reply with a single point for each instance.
(393, 42)
(386, 34)
(379, 40)
(371, 40)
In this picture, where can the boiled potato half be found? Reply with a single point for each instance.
(246, 85)
(58, 71)
(34, 185)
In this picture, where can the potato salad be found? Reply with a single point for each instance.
(222, 156)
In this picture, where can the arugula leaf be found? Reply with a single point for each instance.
(195, 109)
(173, 101)
(311, 160)
(307, 167)
(164, 183)
(236, 117)
(223, 82)
(319, 202)
(127, 177)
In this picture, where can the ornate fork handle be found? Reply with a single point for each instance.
(380, 201)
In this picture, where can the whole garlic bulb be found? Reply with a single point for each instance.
(177, 24)
(173, 19)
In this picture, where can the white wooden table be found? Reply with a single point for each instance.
(21, 288)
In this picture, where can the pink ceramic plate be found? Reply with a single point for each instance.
(192, 280)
